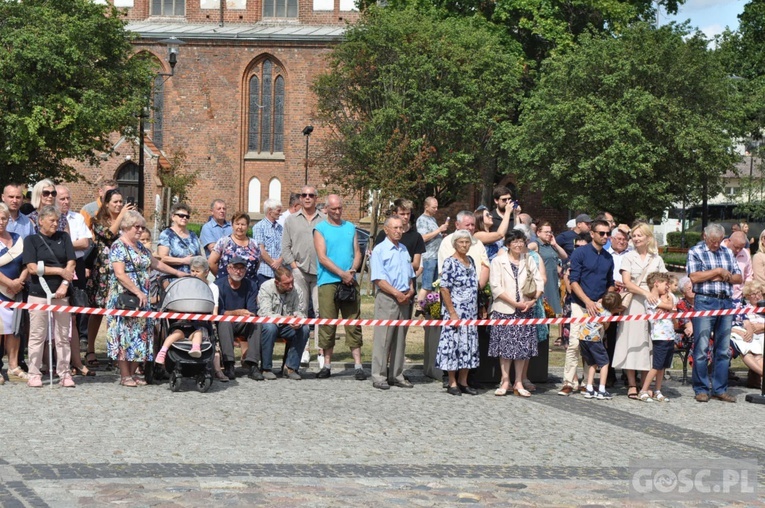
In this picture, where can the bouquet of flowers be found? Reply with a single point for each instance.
(431, 305)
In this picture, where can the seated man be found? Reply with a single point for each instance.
(238, 297)
(279, 297)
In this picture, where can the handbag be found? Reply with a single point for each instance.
(79, 297)
(529, 288)
(345, 293)
(128, 301)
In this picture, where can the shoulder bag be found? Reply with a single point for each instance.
(529, 289)
(127, 300)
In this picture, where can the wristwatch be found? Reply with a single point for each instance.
(65, 283)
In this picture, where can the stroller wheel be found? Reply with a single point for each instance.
(203, 383)
(175, 382)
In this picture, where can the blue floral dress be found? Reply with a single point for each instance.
(181, 247)
(127, 338)
(228, 248)
(458, 345)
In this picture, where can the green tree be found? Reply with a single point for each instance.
(632, 123)
(414, 103)
(66, 82)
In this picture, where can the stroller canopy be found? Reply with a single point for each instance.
(188, 294)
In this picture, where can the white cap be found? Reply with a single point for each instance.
(571, 224)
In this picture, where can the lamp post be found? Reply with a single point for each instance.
(173, 47)
(307, 130)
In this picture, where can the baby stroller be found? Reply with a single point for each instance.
(192, 295)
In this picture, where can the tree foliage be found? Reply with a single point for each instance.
(631, 123)
(415, 102)
(66, 82)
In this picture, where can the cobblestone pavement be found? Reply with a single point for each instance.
(339, 442)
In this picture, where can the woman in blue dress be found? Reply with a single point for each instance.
(177, 245)
(13, 274)
(458, 345)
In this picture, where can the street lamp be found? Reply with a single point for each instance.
(173, 46)
(307, 130)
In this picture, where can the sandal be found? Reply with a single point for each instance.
(84, 371)
(659, 397)
(645, 397)
(529, 385)
(17, 374)
(128, 381)
(521, 393)
(94, 362)
(220, 376)
(139, 382)
(633, 395)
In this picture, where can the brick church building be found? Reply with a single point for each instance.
(236, 105)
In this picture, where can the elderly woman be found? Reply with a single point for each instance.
(177, 245)
(13, 275)
(237, 244)
(458, 345)
(748, 338)
(758, 260)
(491, 240)
(44, 194)
(633, 344)
(130, 340)
(54, 250)
(105, 231)
(509, 272)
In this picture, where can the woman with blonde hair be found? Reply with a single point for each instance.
(633, 345)
(758, 260)
(44, 194)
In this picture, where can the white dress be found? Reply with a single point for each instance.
(737, 336)
(633, 340)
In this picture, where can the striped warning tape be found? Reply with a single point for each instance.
(373, 322)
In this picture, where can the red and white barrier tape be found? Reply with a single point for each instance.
(373, 322)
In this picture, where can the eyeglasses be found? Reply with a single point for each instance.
(139, 228)
(182, 215)
(48, 193)
(603, 233)
(307, 195)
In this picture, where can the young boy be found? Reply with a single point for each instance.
(197, 331)
(662, 334)
(592, 348)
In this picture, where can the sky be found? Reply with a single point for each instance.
(710, 16)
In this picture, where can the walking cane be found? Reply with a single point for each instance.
(49, 298)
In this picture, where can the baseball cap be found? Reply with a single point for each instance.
(237, 260)
(571, 224)
(583, 217)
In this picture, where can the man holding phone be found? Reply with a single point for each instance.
(502, 197)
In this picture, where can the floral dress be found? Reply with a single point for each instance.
(181, 247)
(458, 345)
(228, 248)
(97, 286)
(129, 338)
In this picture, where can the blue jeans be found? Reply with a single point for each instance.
(429, 273)
(296, 340)
(703, 327)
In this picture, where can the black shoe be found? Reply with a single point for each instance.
(229, 370)
(403, 384)
(324, 373)
(360, 375)
(467, 389)
(255, 373)
(381, 386)
(454, 390)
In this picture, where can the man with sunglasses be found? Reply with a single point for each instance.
(502, 197)
(591, 276)
(298, 251)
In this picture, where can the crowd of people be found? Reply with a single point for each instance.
(304, 261)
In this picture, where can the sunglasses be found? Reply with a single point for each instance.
(603, 233)
(140, 228)
(305, 195)
(182, 215)
(48, 193)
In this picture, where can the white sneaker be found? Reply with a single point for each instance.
(306, 359)
(320, 359)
